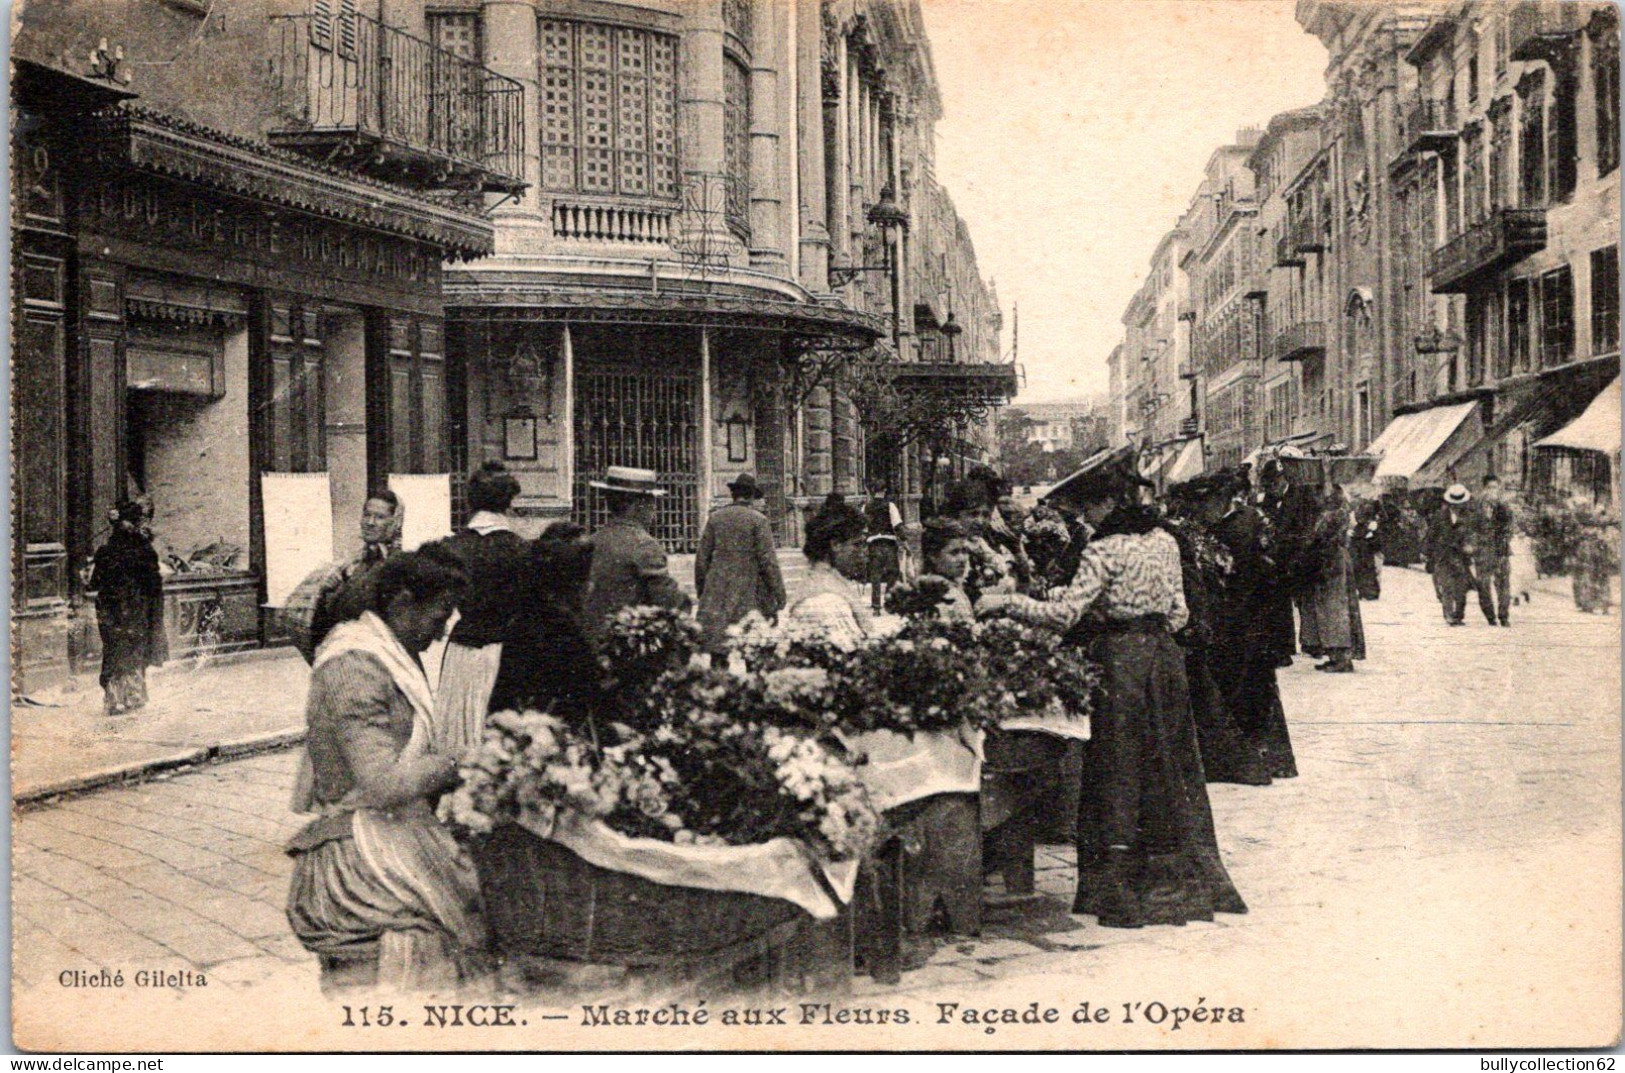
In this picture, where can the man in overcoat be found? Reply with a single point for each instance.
(1492, 565)
(628, 563)
(737, 568)
(1451, 549)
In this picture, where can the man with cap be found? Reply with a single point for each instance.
(1493, 563)
(737, 568)
(1451, 546)
(628, 564)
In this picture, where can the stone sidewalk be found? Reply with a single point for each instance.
(199, 711)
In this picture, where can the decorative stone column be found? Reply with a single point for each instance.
(809, 119)
(511, 47)
(768, 119)
(701, 119)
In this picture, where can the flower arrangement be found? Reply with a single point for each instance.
(1038, 672)
(704, 778)
(927, 678)
(1047, 538)
(639, 646)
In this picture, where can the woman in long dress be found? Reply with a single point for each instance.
(1146, 847)
(497, 562)
(129, 609)
(381, 892)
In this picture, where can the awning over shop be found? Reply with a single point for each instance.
(1422, 447)
(1187, 463)
(1595, 430)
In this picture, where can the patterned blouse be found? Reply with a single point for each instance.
(834, 605)
(1122, 577)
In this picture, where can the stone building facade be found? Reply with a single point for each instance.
(1435, 278)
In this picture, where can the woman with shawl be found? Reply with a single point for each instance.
(381, 892)
(129, 609)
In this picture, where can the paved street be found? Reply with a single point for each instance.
(1447, 862)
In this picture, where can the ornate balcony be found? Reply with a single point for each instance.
(1544, 30)
(1301, 340)
(1504, 238)
(1429, 127)
(350, 89)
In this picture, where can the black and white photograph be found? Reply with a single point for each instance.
(815, 526)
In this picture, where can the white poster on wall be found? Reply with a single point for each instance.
(426, 498)
(298, 530)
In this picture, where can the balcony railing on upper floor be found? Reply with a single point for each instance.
(1286, 252)
(349, 87)
(1300, 340)
(1430, 127)
(1544, 29)
(1504, 237)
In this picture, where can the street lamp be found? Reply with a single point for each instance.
(887, 215)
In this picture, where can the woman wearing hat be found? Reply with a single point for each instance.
(129, 609)
(1146, 848)
(737, 568)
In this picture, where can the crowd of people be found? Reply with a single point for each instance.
(1190, 601)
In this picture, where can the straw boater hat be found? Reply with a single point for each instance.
(639, 482)
(1457, 494)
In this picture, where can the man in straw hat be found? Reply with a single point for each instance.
(1450, 552)
(737, 569)
(628, 564)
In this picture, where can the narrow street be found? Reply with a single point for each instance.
(1449, 791)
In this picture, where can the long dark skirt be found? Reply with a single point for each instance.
(1143, 789)
(1367, 575)
(1227, 753)
(1245, 674)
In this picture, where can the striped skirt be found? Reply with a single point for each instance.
(463, 698)
(396, 905)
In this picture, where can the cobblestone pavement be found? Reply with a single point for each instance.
(1445, 869)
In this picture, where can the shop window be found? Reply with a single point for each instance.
(1557, 318)
(1562, 140)
(609, 110)
(1605, 79)
(1532, 140)
(1605, 300)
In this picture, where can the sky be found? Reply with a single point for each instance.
(1075, 133)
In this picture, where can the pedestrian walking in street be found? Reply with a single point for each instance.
(129, 609)
(341, 593)
(885, 552)
(1280, 538)
(737, 568)
(1450, 552)
(1595, 560)
(1244, 659)
(1325, 615)
(1147, 853)
(1492, 567)
(381, 892)
(1195, 508)
(1365, 545)
(628, 563)
(498, 565)
(550, 664)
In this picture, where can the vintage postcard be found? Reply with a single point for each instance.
(917, 525)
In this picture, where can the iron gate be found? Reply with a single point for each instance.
(647, 419)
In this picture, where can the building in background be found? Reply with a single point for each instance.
(228, 238)
(1435, 276)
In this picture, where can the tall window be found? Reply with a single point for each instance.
(1500, 152)
(1556, 317)
(1472, 169)
(1605, 300)
(1532, 140)
(1605, 79)
(1452, 195)
(1472, 70)
(609, 110)
(457, 33)
(1563, 139)
(1520, 328)
(736, 142)
(298, 409)
(1478, 337)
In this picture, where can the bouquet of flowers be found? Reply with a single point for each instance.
(640, 645)
(926, 678)
(1037, 671)
(921, 599)
(1047, 538)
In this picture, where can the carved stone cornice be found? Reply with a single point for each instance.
(165, 145)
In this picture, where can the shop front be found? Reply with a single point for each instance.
(695, 384)
(196, 312)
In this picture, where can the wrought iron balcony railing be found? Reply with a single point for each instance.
(1502, 238)
(1430, 127)
(1544, 29)
(348, 86)
(1300, 340)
